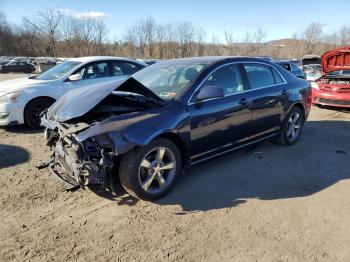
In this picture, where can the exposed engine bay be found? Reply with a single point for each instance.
(335, 81)
(116, 103)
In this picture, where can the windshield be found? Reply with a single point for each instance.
(168, 79)
(58, 71)
(312, 69)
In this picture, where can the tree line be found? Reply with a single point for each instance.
(51, 32)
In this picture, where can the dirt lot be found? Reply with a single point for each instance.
(268, 203)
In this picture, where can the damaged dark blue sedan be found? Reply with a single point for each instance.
(173, 114)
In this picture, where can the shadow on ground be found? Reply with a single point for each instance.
(268, 172)
(22, 129)
(12, 155)
(333, 108)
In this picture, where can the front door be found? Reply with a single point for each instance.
(221, 123)
(91, 74)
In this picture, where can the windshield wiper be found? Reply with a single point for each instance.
(147, 99)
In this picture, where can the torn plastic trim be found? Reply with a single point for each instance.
(47, 123)
(121, 143)
(75, 171)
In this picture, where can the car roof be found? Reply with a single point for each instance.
(217, 59)
(88, 59)
(283, 61)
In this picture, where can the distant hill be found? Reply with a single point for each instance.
(287, 42)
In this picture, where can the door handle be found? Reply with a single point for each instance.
(243, 101)
(285, 92)
(207, 121)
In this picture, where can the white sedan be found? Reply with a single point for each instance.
(23, 100)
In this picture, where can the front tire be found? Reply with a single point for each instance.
(150, 172)
(291, 127)
(33, 110)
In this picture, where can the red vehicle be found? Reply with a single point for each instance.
(333, 87)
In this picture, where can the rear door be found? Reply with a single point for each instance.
(221, 123)
(268, 95)
(14, 66)
(23, 67)
(122, 69)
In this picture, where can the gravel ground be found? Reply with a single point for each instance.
(265, 203)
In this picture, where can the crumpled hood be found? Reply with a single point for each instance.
(14, 85)
(336, 59)
(79, 101)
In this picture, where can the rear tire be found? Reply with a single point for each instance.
(147, 174)
(33, 110)
(291, 128)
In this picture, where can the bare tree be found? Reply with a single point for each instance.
(170, 40)
(215, 48)
(344, 36)
(161, 38)
(230, 42)
(246, 44)
(200, 41)
(137, 36)
(47, 23)
(53, 33)
(186, 33)
(99, 35)
(312, 36)
(259, 36)
(149, 26)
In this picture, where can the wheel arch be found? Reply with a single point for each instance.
(176, 139)
(33, 99)
(300, 106)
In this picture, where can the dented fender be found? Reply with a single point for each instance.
(137, 129)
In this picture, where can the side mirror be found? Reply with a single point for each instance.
(208, 92)
(75, 77)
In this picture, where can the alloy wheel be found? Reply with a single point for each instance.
(157, 170)
(294, 126)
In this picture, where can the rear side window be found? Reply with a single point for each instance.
(277, 76)
(123, 68)
(260, 75)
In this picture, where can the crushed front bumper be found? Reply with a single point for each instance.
(74, 165)
(68, 181)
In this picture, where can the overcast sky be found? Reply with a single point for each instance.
(280, 19)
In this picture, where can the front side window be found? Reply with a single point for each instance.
(228, 78)
(93, 70)
(168, 79)
(259, 75)
(123, 68)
